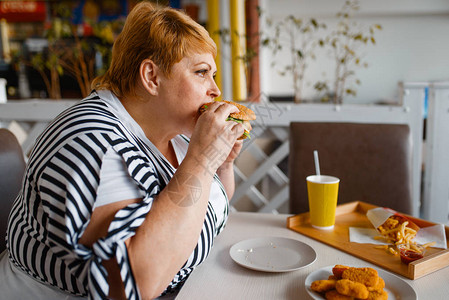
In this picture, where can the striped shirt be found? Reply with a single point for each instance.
(59, 191)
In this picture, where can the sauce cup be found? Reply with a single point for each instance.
(410, 252)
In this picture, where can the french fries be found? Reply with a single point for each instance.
(389, 248)
(431, 244)
(398, 230)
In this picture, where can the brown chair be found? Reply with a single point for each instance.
(373, 162)
(12, 167)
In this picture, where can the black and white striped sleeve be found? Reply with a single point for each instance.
(68, 187)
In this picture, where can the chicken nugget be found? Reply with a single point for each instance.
(377, 295)
(378, 287)
(333, 277)
(322, 286)
(366, 276)
(337, 270)
(334, 295)
(352, 288)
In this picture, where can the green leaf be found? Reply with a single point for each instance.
(234, 119)
(351, 92)
(60, 70)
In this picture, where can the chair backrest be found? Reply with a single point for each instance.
(12, 167)
(373, 162)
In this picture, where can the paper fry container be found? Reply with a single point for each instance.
(379, 215)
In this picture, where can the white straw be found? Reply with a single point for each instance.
(317, 162)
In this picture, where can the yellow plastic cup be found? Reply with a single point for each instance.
(323, 194)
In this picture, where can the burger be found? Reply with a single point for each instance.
(243, 117)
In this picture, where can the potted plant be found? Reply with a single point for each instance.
(68, 53)
(286, 34)
(343, 44)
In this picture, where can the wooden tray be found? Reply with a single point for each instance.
(354, 215)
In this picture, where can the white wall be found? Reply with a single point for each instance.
(412, 46)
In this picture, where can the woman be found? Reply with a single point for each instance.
(125, 191)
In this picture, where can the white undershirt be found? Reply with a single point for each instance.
(115, 182)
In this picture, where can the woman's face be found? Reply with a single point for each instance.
(190, 85)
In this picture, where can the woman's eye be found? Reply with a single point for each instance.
(202, 72)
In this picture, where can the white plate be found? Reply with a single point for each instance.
(394, 286)
(272, 254)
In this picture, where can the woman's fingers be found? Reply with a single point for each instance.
(214, 135)
(213, 120)
(237, 129)
(222, 109)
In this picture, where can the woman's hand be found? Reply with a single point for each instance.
(219, 146)
(234, 152)
(214, 140)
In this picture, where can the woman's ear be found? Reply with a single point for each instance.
(149, 76)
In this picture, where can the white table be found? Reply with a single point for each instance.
(221, 278)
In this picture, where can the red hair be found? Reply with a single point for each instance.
(162, 34)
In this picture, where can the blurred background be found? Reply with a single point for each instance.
(281, 49)
(292, 60)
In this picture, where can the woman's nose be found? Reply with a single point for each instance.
(214, 91)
